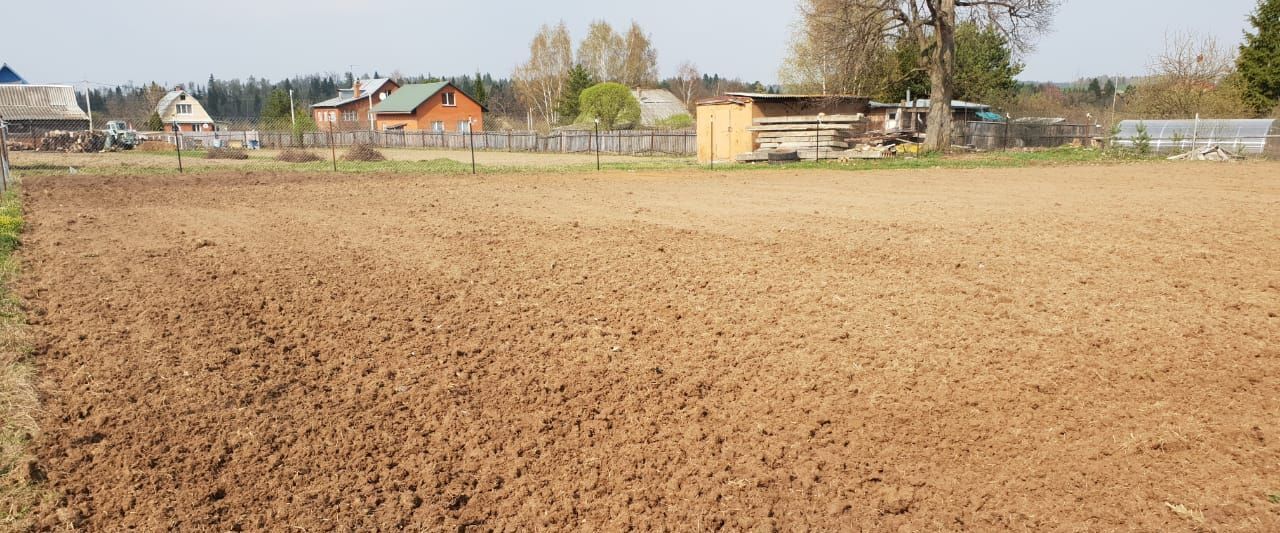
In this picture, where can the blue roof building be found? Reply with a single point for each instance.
(7, 75)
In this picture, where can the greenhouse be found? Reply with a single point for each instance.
(1250, 137)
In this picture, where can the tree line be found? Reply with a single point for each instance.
(552, 82)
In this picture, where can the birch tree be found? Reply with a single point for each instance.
(540, 81)
(602, 52)
(688, 80)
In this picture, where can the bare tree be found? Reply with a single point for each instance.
(932, 24)
(602, 52)
(688, 81)
(1192, 75)
(837, 47)
(539, 81)
(640, 64)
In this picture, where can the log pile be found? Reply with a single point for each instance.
(72, 141)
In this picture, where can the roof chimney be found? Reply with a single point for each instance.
(355, 88)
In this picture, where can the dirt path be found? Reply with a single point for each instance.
(1049, 349)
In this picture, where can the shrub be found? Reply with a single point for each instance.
(226, 153)
(363, 152)
(676, 122)
(612, 103)
(294, 155)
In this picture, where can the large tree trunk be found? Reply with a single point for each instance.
(941, 71)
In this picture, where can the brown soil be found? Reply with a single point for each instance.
(363, 152)
(1083, 349)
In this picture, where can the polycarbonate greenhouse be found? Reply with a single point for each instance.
(1250, 137)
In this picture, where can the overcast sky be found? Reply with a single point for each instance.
(63, 41)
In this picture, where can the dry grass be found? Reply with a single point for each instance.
(154, 146)
(363, 152)
(20, 476)
(1186, 512)
(293, 155)
(226, 153)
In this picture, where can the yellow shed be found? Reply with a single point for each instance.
(724, 122)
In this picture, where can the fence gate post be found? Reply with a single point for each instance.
(4, 155)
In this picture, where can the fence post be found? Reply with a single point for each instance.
(177, 141)
(4, 155)
(1008, 123)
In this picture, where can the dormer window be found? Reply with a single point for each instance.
(449, 99)
(184, 109)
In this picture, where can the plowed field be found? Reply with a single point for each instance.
(1085, 349)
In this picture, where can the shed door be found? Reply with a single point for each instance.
(722, 132)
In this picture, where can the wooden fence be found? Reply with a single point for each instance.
(640, 142)
(1005, 135)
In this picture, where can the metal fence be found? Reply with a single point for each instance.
(1007, 135)
(631, 142)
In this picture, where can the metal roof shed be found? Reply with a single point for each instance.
(1251, 137)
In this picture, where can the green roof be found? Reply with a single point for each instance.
(408, 97)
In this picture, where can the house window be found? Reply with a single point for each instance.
(464, 126)
(437, 126)
(449, 99)
(184, 109)
(348, 116)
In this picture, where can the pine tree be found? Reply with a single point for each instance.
(480, 93)
(569, 106)
(1257, 64)
(154, 123)
(1095, 90)
(1108, 90)
(276, 111)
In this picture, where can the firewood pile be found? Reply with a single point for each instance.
(72, 141)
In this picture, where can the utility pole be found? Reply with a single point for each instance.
(293, 115)
(88, 103)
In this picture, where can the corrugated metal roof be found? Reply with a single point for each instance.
(924, 103)
(657, 105)
(767, 96)
(346, 96)
(39, 102)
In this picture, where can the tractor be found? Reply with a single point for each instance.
(119, 136)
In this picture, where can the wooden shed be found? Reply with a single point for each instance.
(725, 122)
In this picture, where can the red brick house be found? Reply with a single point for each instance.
(350, 109)
(438, 106)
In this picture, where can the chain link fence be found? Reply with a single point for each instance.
(77, 136)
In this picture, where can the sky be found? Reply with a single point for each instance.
(68, 41)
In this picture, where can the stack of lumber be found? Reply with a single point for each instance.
(72, 141)
(825, 137)
(1208, 153)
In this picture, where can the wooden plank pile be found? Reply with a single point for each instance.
(1207, 153)
(810, 136)
(72, 141)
